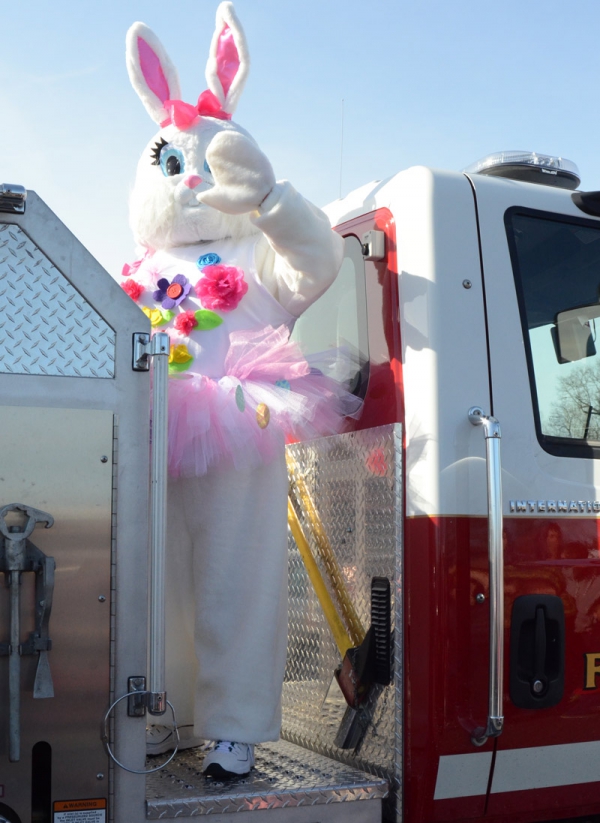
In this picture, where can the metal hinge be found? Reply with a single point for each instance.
(136, 703)
(12, 198)
(145, 346)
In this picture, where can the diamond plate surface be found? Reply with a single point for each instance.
(46, 326)
(284, 776)
(355, 481)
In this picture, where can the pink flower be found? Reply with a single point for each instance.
(185, 322)
(133, 289)
(221, 288)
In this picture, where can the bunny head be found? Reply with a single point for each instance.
(164, 209)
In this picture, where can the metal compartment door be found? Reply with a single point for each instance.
(546, 755)
(74, 433)
(60, 461)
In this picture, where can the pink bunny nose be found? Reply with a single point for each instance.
(192, 181)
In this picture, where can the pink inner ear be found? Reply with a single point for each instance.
(152, 71)
(228, 59)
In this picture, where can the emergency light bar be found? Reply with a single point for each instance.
(530, 167)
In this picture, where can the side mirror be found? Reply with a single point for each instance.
(574, 335)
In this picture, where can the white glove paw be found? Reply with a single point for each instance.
(243, 175)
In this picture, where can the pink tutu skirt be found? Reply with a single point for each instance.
(269, 394)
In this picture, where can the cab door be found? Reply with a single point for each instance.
(541, 268)
(444, 373)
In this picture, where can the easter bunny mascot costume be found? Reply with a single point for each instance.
(229, 259)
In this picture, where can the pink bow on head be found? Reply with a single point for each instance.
(183, 115)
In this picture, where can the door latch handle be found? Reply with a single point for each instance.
(537, 651)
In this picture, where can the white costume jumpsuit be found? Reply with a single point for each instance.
(226, 594)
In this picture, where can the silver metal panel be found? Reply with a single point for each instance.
(52, 459)
(284, 776)
(46, 326)
(126, 396)
(355, 480)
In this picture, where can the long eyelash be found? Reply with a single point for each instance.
(157, 150)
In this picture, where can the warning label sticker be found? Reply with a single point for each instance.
(80, 811)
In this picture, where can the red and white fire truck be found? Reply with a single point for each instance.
(470, 482)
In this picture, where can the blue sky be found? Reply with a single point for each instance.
(430, 82)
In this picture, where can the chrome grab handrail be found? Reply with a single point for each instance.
(492, 435)
(157, 696)
(157, 349)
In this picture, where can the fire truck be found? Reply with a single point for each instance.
(446, 544)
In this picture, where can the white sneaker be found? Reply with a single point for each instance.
(160, 739)
(228, 759)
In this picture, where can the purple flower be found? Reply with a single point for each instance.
(171, 294)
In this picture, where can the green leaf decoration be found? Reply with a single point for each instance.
(207, 320)
(176, 368)
(162, 318)
(240, 400)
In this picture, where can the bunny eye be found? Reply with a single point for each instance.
(172, 161)
(207, 168)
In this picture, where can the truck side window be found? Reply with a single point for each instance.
(556, 263)
(337, 323)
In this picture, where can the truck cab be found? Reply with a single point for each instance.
(487, 299)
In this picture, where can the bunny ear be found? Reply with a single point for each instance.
(228, 60)
(151, 72)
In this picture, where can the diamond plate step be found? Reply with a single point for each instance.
(286, 778)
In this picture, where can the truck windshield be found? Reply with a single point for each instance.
(556, 263)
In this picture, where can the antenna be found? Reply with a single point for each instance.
(342, 149)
